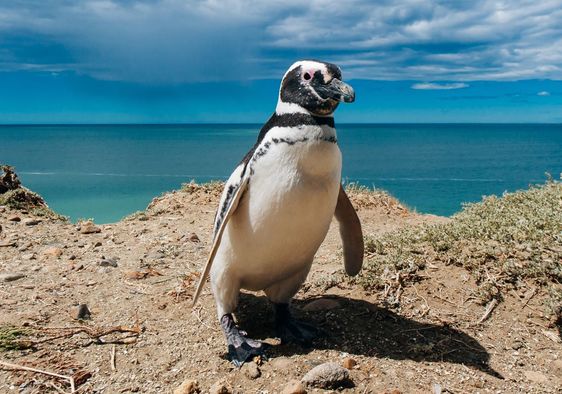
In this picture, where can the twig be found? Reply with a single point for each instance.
(92, 332)
(70, 379)
(488, 311)
(533, 293)
(113, 366)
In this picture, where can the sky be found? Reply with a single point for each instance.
(168, 61)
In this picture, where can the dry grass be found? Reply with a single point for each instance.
(502, 241)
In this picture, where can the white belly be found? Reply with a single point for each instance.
(284, 215)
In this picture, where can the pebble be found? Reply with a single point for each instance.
(89, 228)
(294, 387)
(189, 386)
(193, 237)
(327, 376)
(10, 277)
(28, 256)
(536, 377)
(82, 312)
(220, 387)
(7, 244)
(14, 218)
(53, 251)
(321, 304)
(31, 221)
(349, 363)
(251, 370)
(110, 262)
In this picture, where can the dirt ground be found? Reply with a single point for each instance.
(137, 276)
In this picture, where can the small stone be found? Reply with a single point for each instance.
(31, 221)
(82, 312)
(349, 363)
(193, 237)
(97, 244)
(10, 277)
(72, 257)
(135, 275)
(89, 228)
(327, 376)
(220, 387)
(535, 376)
(25, 246)
(28, 256)
(321, 304)
(53, 251)
(251, 370)
(188, 387)
(110, 262)
(294, 387)
(14, 218)
(7, 244)
(517, 345)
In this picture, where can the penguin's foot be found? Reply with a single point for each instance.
(290, 330)
(240, 348)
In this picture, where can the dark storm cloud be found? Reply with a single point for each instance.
(173, 41)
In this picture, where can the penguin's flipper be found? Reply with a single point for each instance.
(351, 234)
(233, 191)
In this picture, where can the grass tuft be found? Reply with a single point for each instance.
(502, 241)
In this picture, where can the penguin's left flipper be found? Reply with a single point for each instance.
(351, 234)
(232, 194)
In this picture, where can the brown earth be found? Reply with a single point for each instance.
(431, 341)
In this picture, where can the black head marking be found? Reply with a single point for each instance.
(315, 86)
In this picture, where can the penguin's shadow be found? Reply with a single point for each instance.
(360, 327)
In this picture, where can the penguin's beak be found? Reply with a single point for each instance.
(336, 90)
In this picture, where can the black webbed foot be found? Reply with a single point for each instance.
(290, 330)
(240, 348)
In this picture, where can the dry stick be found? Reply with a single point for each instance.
(24, 368)
(488, 310)
(113, 366)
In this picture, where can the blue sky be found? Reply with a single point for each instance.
(151, 61)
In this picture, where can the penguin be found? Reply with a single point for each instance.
(277, 206)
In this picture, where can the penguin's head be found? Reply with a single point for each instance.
(315, 86)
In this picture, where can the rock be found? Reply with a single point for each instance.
(535, 377)
(110, 262)
(251, 370)
(25, 246)
(220, 387)
(193, 237)
(72, 257)
(321, 304)
(53, 251)
(349, 363)
(31, 221)
(188, 387)
(82, 312)
(89, 228)
(2, 208)
(10, 277)
(327, 376)
(28, 256)
(7, 244)
(14, 218)
(135, 275)
(294, 387)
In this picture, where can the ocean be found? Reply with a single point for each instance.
(106, 172)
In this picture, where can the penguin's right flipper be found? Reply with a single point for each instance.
(351, 234)
(233, 191)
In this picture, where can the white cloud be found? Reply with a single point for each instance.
(543, 93)
(439, 86)
(169, 41)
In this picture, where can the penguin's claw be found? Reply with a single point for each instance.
(243, 349)
(240, 348)
(290, 330)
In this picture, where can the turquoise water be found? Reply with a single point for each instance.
(109, 171)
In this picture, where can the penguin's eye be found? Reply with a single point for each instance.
(307, 76)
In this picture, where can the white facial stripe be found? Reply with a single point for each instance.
(289, 108)
(309, 65)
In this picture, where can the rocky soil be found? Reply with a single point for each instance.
(110, 306)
